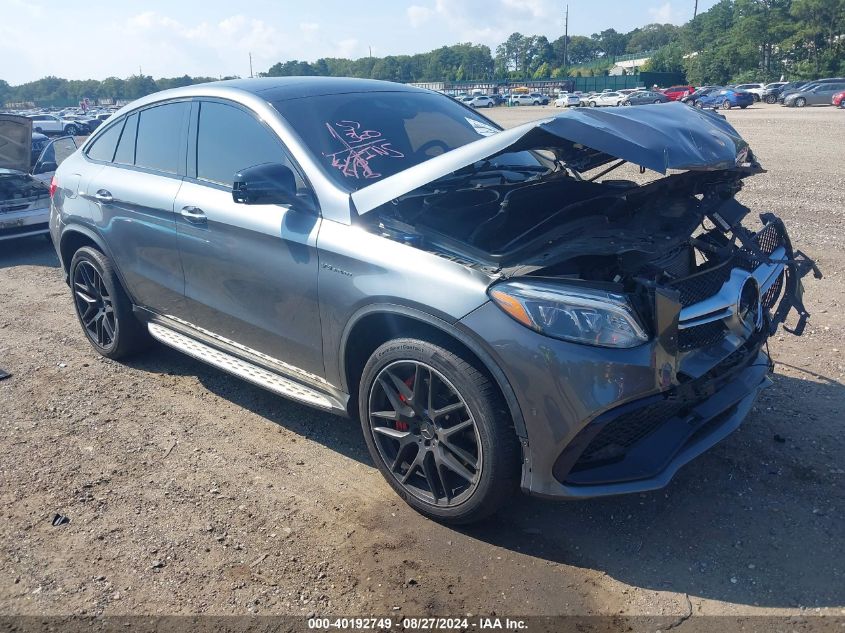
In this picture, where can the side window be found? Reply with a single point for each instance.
(125, 154)
(104, 145)
(229, 139)
(160, 136)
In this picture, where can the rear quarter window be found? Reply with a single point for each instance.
(160, 137)
(105, 143)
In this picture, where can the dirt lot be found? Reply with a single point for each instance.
(192, 492)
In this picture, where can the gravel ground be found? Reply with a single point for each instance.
(191, 492)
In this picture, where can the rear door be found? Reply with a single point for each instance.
(143, 158)
(250, 270)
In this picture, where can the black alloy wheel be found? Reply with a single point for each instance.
(425, 433)
(102, 306)
(94, 305)
(438, 429)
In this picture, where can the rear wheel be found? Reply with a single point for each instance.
(726, 104)
(71, 130)
(698, 104)
(800, 102)
(102, 307)
(592, 104)
(771, 99)
(756, 97)
(438, 431)
(657, 101)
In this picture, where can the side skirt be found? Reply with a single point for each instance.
(242, 368)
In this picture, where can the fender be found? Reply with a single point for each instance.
(94, 236)
(448, 329)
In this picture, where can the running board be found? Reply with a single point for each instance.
(241, 368)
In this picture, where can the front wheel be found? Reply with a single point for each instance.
(742, 107)
(592, 104)
(490, 105)
(800, 102)
(71, 130)
(756, 98)
(438, 431)
(770, 99)
(102, 307)
(698, 105)
(726, 104)
(657, 101)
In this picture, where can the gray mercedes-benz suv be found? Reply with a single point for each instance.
(495, 310)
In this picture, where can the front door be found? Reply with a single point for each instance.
(250, 271)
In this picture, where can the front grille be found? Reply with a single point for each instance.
(701, 335)
(703, 284)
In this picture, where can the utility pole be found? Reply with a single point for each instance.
(695, 11)
(565, 35)
(250, 65)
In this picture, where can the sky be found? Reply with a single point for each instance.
(168, 38)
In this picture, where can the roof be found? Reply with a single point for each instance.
(284, 88)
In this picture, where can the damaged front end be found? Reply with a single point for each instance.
(616, 264)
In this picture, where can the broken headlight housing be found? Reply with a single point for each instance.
(592, 317)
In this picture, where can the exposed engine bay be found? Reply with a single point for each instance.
(681, 235)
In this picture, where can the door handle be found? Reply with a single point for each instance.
(194, 215)
(103, 195)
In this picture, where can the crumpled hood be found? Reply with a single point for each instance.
(658, 137)
(15, 142)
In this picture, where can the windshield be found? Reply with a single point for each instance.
(361, 138)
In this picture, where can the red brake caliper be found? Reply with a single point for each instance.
(400, 425)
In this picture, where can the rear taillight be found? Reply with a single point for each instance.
(54, 184)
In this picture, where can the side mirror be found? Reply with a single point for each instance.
(267, 183)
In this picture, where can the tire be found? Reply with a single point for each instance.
(726, 104)
(421, 450)
(800, 102)
(756, 97)
(742, 107)
(38, 129)
(626, 103)
(657, 101)
(71, 130)
(698, 105)
(771, 99)
(490, 105)
(592, 104)
(95, 285)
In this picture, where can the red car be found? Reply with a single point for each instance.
(678, 92)
(839, 99)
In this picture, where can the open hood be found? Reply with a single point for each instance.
(15, 142)
(657, 137)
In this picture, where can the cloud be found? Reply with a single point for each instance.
(418, 15)
(665, 14)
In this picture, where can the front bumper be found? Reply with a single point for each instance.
(601, 421)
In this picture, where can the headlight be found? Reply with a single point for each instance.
(573, 314)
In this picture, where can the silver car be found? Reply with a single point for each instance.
(495, 318)
(26, 169)
(817, 94)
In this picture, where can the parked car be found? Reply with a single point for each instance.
(645, 96)
(757, 90)
(39, 142)
(24, 185)
(818, 94)
(481, 101)
(605, 99)
(567, 100)
(53, 124)
(704, 91)
(676, 93)
(529, 99)
(838, 99)
(772, 90)
(301, 234)
(807, 86)
(726, 98)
